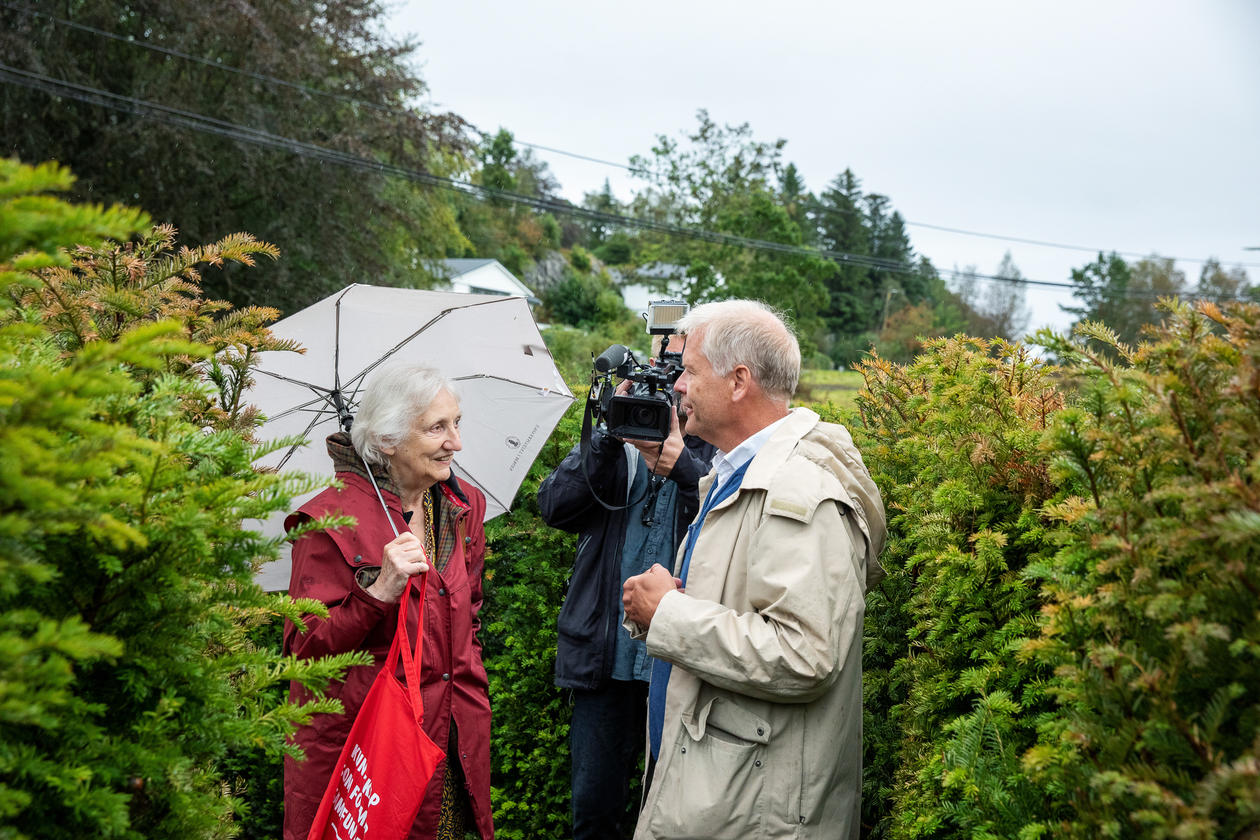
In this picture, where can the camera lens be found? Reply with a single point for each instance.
(643, 416)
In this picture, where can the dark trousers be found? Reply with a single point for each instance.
(606, 739)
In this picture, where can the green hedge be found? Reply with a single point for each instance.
(527, 569)
(1068, 644)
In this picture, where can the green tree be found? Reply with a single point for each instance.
(994, 306)
(720, 180)
(890, 244)
(795, 198)
(500, 228)
(498, 154)
(1222, 285)
(1123, 296)
(348, 89)
(602, 201)
(585, 300)
(855, 304)
(127, 601)
(879, 281)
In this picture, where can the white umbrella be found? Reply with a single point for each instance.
(511, 393)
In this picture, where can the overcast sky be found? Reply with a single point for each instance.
(1112, 124)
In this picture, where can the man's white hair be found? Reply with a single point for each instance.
(392, 401)
(750, 333)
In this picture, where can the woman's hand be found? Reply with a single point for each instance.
(402, 558)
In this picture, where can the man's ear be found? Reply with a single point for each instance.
(741, 382)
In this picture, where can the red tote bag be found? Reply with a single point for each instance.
(379, 780)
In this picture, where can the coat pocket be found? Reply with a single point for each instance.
(716, 777)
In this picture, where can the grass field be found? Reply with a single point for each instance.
(839, 387)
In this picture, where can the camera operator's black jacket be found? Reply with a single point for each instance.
(589, 620)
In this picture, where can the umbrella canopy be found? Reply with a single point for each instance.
(511, 393)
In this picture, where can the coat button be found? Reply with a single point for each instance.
(446, 676)
(442, 591)
(358, 558)
(757, 763)
(684, 749)
(760, 731)
(467, 540)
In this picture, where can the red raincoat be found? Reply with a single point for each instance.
(453, 679)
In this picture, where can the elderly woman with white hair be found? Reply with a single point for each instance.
(406, 432)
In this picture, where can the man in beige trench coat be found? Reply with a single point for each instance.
(755, 716)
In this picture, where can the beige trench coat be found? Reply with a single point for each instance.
(763, 716)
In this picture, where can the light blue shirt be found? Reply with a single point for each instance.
(727, 463)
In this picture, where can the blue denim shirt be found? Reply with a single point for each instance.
(643, 547)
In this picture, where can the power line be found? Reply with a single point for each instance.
(263, 77)
(1039, 242)
(625, 166)
(199, 122)
(218, 65)
(1061, 245)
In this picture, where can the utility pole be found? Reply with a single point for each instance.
(887, 297)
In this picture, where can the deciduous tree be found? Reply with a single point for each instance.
(345, 87)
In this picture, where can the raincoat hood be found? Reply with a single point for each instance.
(830, 446)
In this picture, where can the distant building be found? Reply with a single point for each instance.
(482, 277)
(654, 281)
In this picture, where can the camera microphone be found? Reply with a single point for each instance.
(612, 358)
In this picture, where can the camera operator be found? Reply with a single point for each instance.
(652, 485)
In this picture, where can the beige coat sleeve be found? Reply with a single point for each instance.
(796, 603)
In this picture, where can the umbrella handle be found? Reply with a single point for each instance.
(381, 498)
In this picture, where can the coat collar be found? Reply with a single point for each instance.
(765, 464)
(346, 460)
(799, 422)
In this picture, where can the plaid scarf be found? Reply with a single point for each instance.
(346, 459)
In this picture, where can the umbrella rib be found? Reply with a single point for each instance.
(321, 394)
(482, 487)
(292, 381)
(510, 382)
(309, 426)
(390, 352)
(336, 395)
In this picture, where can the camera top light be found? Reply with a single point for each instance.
(663, 315)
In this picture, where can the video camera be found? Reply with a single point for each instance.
(644, 412)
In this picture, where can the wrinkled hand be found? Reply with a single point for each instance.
(662, 455)
(641, 594)
(402, 558)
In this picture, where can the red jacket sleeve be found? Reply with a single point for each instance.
(321, 572)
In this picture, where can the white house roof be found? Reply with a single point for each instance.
(463, 266)
(482, 277)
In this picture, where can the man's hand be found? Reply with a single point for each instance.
(662, 455)
(402, 557)
(641, 594)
